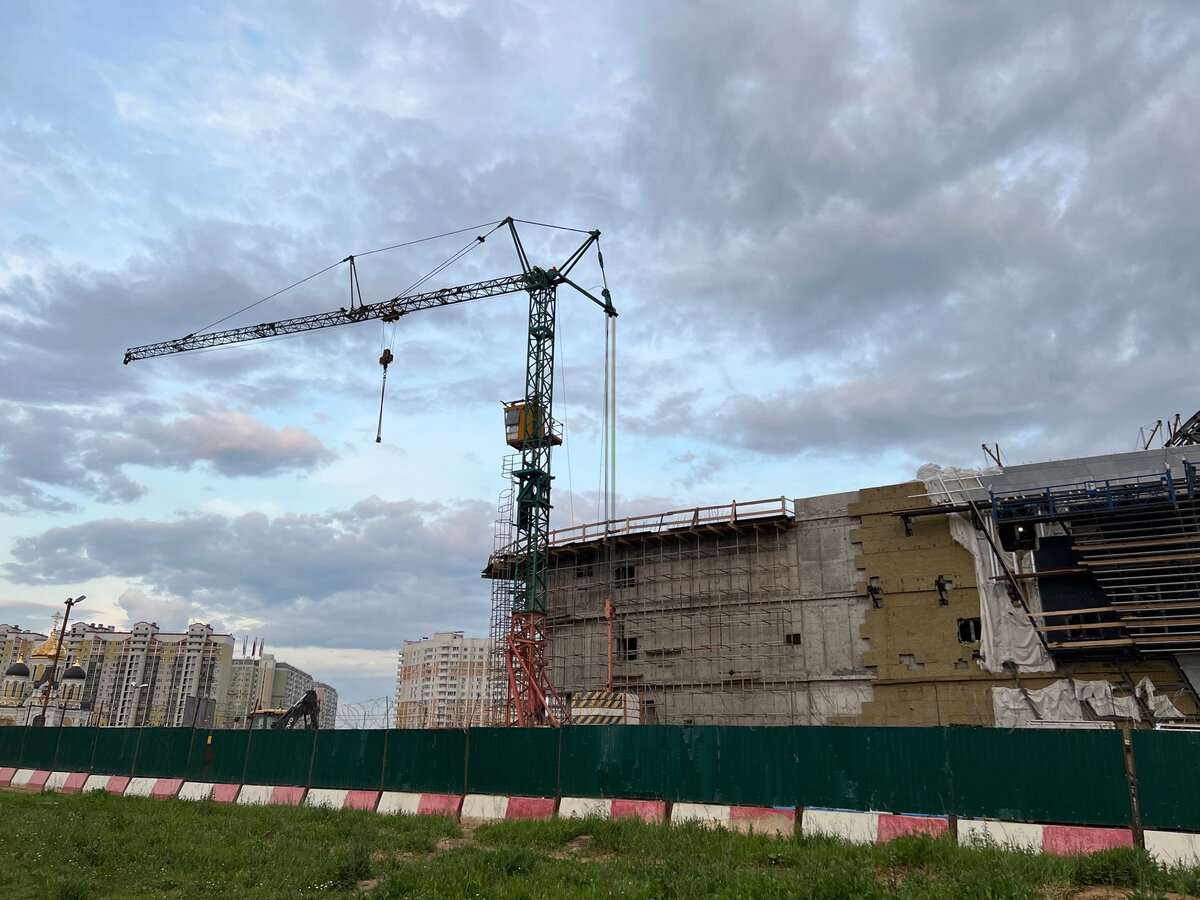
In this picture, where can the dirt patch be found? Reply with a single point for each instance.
(368, 884)
(1107, 892)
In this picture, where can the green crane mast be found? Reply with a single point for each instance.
(531, 697)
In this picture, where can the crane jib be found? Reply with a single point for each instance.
(387, 310)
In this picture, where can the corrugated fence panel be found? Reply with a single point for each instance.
(1168, 772)
(40, 749)
(76, 747)
(890, 769)
(614, 761)
(758, 766)
(281, 757)
(11, 737)
(515, 761)
(690, 762)
(115, 751)
(725, 764)
(1070, 776)
(349, 759)
(425, 761)
(163, 753)
(218, 756)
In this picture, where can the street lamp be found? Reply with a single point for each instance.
(141, 707)
(62, 636)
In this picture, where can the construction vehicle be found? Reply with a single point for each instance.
(307, 710)
(530, 428)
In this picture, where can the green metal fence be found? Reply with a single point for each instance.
(1168, 778)
(1076, 777)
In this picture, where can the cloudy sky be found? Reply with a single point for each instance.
(845, 239)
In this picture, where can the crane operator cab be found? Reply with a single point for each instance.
(523, 422)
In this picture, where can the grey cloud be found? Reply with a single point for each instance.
(362, 576)
(84, 450)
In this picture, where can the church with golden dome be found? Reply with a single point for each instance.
(94, 674)
(41, 687)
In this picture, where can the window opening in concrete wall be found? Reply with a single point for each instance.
(628, 647)
(969, 630)
(625, 576)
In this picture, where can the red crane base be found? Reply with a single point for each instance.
(532, 699)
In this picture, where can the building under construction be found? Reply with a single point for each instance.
(1053, 592)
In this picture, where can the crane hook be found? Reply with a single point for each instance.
(384, 360)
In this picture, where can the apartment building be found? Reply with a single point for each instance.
(441, 682)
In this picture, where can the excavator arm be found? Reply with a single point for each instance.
(307, 708)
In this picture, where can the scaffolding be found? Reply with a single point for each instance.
(706, 614)
(502, 602)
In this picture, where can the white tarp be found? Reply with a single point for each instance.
(1063, 701)
(1006, 631)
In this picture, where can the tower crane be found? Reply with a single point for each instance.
(532, 699)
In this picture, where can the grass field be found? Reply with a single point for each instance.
(71, 847)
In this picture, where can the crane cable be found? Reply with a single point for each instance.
(385, 356)
(296, 284)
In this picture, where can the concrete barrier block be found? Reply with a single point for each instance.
(1174, 848)
(646, 810)
(709, 814)
(195, 790)
(140, 787)
(530, 808)
(892, 826)
(1019, 835)
(326, 797)
(1071, 840)
(856, 827)
(96, 783)
(361, 800)
(484, 806)
(585, 807)
(779, 821)
(254, 795)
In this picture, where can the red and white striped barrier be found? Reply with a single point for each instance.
(158, 788)
(29, 779)
(489, 806)
(1169, 847)
(1059, 840)
(869, 827)
(606, 808)
(758, 819)
(268, 795)
(207, 790)
(114, 784)
(341, 799)
(413, 804)
(66, 782)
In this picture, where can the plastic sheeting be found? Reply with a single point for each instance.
(1006, 632)
(1064, 700)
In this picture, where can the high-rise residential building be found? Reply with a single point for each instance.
(328, 698)
(440, 682)
(139, 677)
(264, 682)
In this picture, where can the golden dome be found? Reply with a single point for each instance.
(48, 649)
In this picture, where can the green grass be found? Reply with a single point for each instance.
(102, 846)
